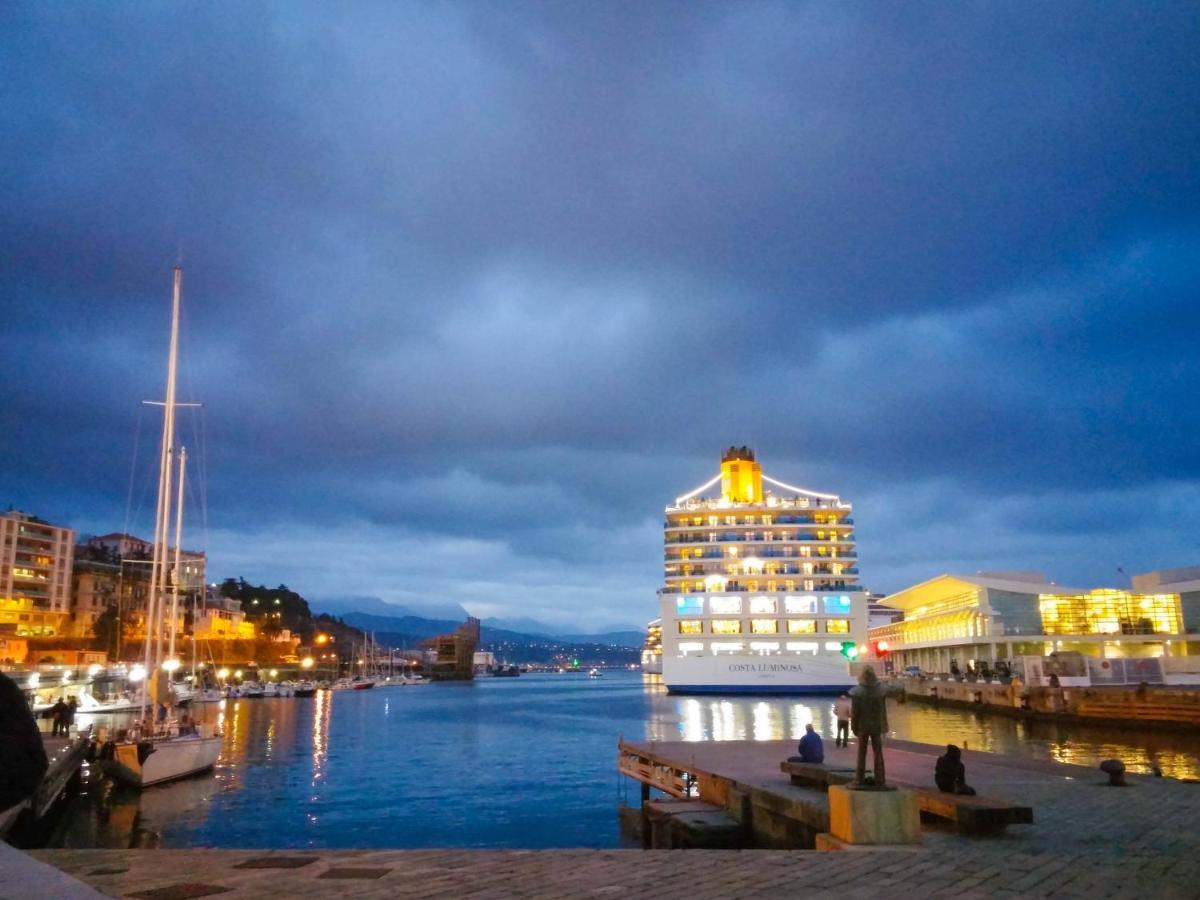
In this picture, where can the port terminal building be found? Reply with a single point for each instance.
(993, 616)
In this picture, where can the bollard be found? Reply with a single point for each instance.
(1115, 770)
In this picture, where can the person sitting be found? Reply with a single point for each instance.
(811, 749)
(950, 774)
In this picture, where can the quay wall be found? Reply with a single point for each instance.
(1121, 705)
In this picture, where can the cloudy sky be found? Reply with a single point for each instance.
(472, 290)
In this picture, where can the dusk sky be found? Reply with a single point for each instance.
(473, 290)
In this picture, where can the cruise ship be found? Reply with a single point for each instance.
(761, 591)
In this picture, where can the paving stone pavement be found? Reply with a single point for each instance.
(625, 874)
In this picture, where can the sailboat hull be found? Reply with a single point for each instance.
(168, 760)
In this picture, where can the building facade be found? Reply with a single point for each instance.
(966, 619)
(35, 575)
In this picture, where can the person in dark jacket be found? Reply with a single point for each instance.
(811, 748)
(950, 774)
(58, 712)
(22, 757)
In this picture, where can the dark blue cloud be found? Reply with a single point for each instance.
(508, 279)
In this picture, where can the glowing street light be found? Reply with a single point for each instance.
(137, 673)
(223, 674)
(170, 665)
(306, 663)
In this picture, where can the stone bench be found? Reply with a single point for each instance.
(971, 815)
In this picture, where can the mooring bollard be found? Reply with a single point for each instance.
(1115, 770)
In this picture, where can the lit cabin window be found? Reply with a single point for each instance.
(835, 646)
(799, 605)
(689, 606)
(803, 646)
(802, 626)
(764, 626)
(726, 626)
(728, 646)
(725, 606)
(691, 626)
(760, 605)
(686, 647)
(764, 647)
(837, 606)
(838, 626)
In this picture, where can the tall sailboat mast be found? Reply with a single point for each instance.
(162, 516)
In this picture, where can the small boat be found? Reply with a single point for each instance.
(89, 705)
(595, 673)
(305, 689)
(163, 756)
(506, 672)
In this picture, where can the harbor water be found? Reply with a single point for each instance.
(525, 762)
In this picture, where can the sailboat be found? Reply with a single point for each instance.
(155, 752)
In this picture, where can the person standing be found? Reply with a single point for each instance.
(22, 756)
(868, 721)
(58, 714)
(72, 705)
(841, 710)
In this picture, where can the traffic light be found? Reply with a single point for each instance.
(850, 650)
(881, 649)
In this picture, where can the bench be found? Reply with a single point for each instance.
(971, 815)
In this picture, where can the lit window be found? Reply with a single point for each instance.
(764, 626)
(752, 585)
(759, 605)
(727, 646)
(691, 626)
(689, 606)
(795, 605)
(838, 626)
(686, 647)
(802, 626)
(765, 646)
(726, 626)
(837, 606)
(836, 646)
(725, 606)
(808, 584)
(803, 646)
(806, 551)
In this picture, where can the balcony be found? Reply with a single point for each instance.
(753, 538)
(733, 587)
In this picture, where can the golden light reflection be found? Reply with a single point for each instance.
(320, 732)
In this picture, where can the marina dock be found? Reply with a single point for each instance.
(65, 755)
(1074, 809)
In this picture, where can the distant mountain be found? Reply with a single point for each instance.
(377, 606)
(616, 638)
(404, 630)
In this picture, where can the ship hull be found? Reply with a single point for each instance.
(752, 674)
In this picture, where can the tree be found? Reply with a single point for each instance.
(106, 630)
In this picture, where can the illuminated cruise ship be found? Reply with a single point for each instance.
(761, 592)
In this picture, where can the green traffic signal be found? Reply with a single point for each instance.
(849, 649)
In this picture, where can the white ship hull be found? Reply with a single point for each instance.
(754, 674)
